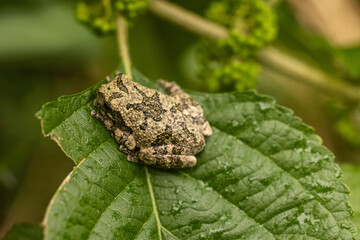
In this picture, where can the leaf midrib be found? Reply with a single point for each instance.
(155, 211)
(158, 223)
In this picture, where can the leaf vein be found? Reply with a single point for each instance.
(71, 114)
(142, 226)
(166, 230)
(195, 179)
(289, 174)
(99, 219)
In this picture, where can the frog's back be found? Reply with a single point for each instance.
(155, 120)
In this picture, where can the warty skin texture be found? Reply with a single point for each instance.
(165, 131)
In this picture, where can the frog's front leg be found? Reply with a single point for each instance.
(124, 138)
(167, 156)
(188, 106)
(109, 124)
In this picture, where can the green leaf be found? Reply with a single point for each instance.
(24, 231)
(352, 179)
(263, 175)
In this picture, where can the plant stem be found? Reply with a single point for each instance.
(188, 20)
(107, 7)
(274, 3)
(271, 57)
(123, 45)
(292, 68)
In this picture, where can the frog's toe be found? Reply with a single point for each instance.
(206, 129)
(93, 113)
(163, 83)
(97, 115)
(132, 158)
(130, 142)
(124, 149)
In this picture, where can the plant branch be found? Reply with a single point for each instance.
(107, 7)
(188, 20)
(292, 68)
(271, 57)
(123, 45)
(274, 3)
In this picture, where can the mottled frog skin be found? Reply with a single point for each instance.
(164, 131)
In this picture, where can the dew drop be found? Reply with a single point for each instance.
(252, 179)
(299, 150)
(345, 226)
(315, 158)
(302, 218)
(208, 189)
(235, 123)
(313, 221)
(176, 208)
(264, 106)
(338, 173)
(308, 149)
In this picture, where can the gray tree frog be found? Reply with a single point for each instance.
(164, 131)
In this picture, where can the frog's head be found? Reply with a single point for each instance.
(116, 88)
(109, 94)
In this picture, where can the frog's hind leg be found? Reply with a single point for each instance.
(167, 150)
(171, 87)
(168, 161)
(131, 155)
(167, 156)
(188, 106)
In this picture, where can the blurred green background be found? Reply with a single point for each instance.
(45, 53)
